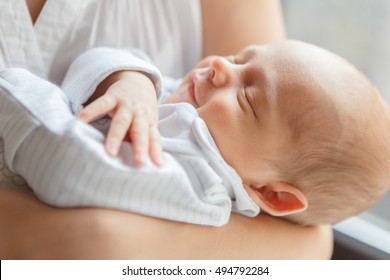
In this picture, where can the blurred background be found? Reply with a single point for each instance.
(358, 30)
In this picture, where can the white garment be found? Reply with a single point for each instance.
(33, 47)
(195, 184)
(169, 31)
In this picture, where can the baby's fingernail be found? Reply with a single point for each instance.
(111, 149)
(140, 159)
(159, 160)
(80, 116)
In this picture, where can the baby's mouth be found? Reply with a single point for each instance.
(198, 79)
(192, 94)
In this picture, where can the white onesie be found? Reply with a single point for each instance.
(64, 161)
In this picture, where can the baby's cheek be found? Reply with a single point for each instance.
(226, 106)
(219, 111)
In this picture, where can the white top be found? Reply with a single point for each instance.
(195, 184)
(168, 31)
(33, 47)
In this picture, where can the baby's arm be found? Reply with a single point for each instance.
(64, 162)
(124, 85)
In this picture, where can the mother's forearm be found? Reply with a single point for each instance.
(263, 237)
(32, 230)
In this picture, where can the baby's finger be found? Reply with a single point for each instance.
(100, 106)
(119, 126)
(155, 146)
(139, 135)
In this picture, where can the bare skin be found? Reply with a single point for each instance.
(237, 25)
(35, 7)
(36, 233)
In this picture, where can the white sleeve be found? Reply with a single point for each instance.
(93, 66)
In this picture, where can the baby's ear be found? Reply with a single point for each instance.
(278, 198)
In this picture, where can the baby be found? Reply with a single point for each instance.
(307, 133)
(301, 130)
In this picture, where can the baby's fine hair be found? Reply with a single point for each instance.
(340, 160)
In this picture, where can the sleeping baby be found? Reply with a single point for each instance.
(288, 128)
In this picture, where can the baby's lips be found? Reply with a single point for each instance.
(191, 95)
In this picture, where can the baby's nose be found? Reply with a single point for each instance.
(219, 71)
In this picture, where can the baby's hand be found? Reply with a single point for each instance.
(131, 102)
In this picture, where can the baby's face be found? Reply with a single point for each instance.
(248, 100)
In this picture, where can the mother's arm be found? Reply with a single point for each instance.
(31, 229)
(231, 25)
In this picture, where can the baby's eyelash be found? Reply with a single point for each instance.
(242, 92)
(241, 98)
(245, 93)
(250, 99)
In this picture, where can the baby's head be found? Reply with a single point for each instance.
(308, 134)
(335, 147)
